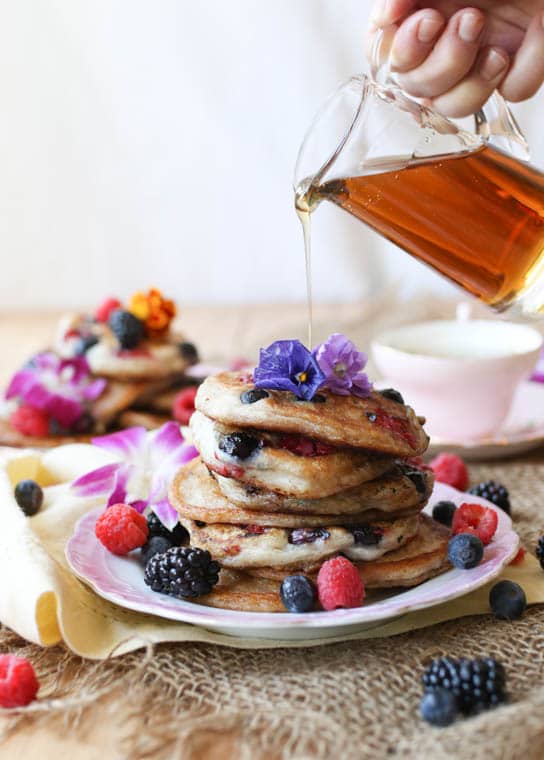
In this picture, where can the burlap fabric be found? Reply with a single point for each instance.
(357, 699)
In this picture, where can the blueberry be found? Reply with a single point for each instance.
(253, 395)
(392, 395)
(372, 416)
(155, 545)
(84, 344)
(443, 512)
(297, 593)
(188, 351)
(317, 398)
(439, 707)
(29, 496)
(128, 329)
(300, 536)
(507, 600)
(465, 551)
(366, 535)
(239, 445)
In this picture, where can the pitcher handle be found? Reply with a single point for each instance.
(495, 123)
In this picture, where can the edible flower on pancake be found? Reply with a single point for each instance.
(342, 365)
(287, 365)
(148, 462)
(155, 311)
(60, 387)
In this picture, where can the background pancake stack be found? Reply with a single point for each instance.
(281, 484)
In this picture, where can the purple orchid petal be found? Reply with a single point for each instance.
(119, 491)
(19, 383)
(168, 452)
(65, 410)
(125, 444)
(95, 389)
(97, 482)
(140, 505)
(166, 514)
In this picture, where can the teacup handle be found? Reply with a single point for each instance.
(495, 123)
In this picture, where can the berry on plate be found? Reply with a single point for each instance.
(439, 707)
(494, 492)
(297, 593)
(520, 556)
(540, 551)
(475, 519)
(18, 682)
(465, 551)
(450, 469)
(154, 545)
(29, 421)
(183, 571)
(102, 314)
(177, 536)
(507, 600)
(184, 405)
(339, 584)
(443, 512)
(120, 528)
(29, 496)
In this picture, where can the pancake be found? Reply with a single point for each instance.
(11, 437)
(196, 494)
(401, 488)
(139, 418)
(375, 423)
(420, 559)
(245, 546)
(280, 470)
(241, 592)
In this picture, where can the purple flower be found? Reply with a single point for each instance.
(287, 365)
(538, 373)
(342, 366)
(142, 477)
(61, 387)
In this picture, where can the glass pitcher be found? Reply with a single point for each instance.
(467, 204)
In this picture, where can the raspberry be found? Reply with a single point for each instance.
(304, 447)
(339, 584)
(102, 314)
(121, 529)
(520, 556)
(30, 421)
(476, 520)
(18, 682)
(450, 469)
(184, 405)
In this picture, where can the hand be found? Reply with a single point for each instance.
(456, 54)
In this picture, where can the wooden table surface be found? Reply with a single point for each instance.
(219, 331)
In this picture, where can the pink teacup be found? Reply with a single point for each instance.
(460, 375)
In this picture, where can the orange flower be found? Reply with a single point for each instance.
(155, 311)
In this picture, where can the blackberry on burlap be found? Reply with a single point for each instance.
(182, 571)
(477, 684)
(494, 492)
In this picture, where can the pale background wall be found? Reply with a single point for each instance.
(153, 142)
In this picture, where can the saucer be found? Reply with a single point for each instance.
(522, 430)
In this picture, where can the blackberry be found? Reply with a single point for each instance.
(443, 512)
(128, 329)
(155, 527)
(183, 571)
(507, 600)
(297, 593)
(29, 496)
(540, 551)
(392, 395)
(154, 545)
(239, 445)
(253, 395)
(439, 707)
(300, 536)
(366, 535)
(494, 492)
(477, 684)
(188, 351)
(84, 344)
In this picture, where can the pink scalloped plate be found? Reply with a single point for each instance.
(120, 580)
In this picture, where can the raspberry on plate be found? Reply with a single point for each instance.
(520, 556)
(102, 314)
(184, 405)
(450, 469)
(18, 682)
(339, 584)
(121, 529)
(29, 421)
(477, 520)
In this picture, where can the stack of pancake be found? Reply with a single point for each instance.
(283, 484)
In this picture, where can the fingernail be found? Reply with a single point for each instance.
(470, 26)
(492, 63)
(428, 28)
